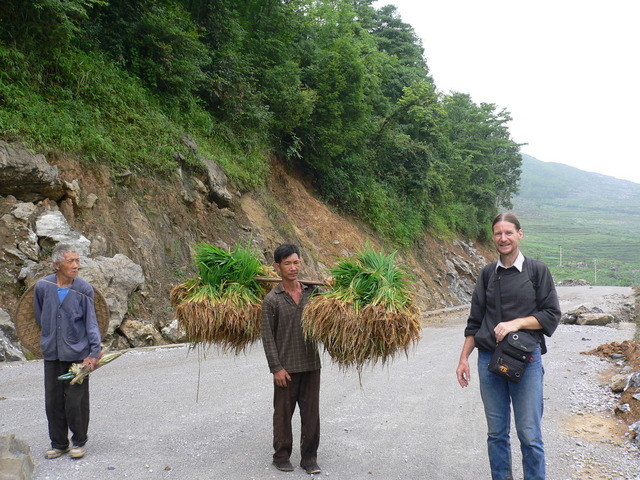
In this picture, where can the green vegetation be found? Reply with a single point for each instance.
(368, 316)
(230, 272)
(222, 305)
(337, 89)
(371, 278)
(582, 225)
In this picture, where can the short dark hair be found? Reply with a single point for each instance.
(507, 217)
(285, 250)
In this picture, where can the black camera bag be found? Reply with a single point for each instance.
(512, 354)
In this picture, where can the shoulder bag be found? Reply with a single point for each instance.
(514, 352)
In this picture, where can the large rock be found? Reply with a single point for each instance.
(52, 228)
(9, 352)
(139, 334)
(585, 316)
(173, 333)
(571, 317)
(16, 461)
(34, 271)
(618, 383)
(459, 277)
(27, 228)
(470, 250)
(26, 175)
(634, 380)
(17, 238)
(6, 325)
(116, 278)
(217, 183)
(599, 319)
(461, 271)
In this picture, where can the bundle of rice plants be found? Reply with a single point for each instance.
(223, 305)
(368, 315)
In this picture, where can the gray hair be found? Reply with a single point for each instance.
(60, 250)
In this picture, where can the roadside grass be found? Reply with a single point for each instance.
(102, 114)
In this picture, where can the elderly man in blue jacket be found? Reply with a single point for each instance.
(64, 309)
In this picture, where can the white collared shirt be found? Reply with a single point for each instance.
(518, 263)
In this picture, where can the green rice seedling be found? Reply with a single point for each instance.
(219, 268)
(223, 305)
(368, 315)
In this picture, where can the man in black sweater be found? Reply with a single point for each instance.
(513, 294)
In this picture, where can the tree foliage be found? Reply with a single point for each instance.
(338, 89)
(155, 40)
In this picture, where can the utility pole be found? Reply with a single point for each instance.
(560, 256)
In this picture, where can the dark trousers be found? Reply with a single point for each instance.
(67, 406)
(304, 389)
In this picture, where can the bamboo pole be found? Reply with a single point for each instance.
(278, 279)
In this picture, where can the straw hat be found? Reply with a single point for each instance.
(29, 331)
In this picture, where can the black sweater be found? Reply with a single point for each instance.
(519, 298)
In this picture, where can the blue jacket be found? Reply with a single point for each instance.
(70, 331)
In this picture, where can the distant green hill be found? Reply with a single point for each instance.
(582, 225)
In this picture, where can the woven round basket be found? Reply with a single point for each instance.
(28, 329)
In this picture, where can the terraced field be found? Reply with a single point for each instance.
(582, 225)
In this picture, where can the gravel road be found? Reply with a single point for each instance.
(407, 420)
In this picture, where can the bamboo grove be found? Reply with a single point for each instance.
(339, 90)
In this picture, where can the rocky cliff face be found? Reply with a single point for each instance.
(136, 235)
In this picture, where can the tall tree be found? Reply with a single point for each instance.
(491, 158)
(155, 40)
(400, 43)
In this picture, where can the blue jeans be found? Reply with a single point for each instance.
(498, 394)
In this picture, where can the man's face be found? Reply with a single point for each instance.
(289, 267)
(506, 238)
(69, 267)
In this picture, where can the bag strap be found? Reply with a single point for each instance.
(498, 299)
(532, 271)
(487, 273)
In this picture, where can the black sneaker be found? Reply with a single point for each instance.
(284, 466)
(312, 468)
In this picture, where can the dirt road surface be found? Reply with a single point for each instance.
(408, 420)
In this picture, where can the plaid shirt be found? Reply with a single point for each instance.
(282, 338)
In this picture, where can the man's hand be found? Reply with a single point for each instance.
(525, 323)
(463, 372)
(91, 363)
(505, 328)
(281, 377)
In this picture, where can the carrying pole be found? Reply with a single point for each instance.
(278, 279)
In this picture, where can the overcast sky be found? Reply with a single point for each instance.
(566, 70)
